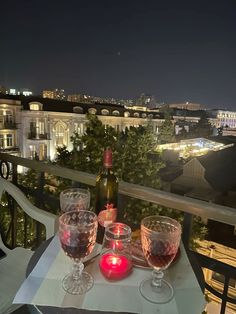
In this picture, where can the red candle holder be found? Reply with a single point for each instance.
(116, 260)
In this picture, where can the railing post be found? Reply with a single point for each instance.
(224, 295)
(187, 228)
(14, 174)
(13, 209)
(40, 203)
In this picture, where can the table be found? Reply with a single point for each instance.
(188, 294)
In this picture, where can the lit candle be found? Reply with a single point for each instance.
(115, 267)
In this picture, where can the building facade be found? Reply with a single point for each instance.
(223, 118)
(10, 111)
(42, 125)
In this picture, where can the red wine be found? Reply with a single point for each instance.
(160, 254)
(77, 245)
(106, 195)
(79, 251)
(159, 260)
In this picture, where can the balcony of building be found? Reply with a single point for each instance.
(216, 276)
(8, 125)
(33, 135)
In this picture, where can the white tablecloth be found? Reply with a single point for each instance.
(43, 287)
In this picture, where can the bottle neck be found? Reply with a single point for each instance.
(107, 159)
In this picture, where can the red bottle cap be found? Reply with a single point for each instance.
(107, 158)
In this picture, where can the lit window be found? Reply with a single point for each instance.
(126, 114)
(92, 111)
(115, 113)
(35, 106)
(60, 133)
(9, 140)
(1, 141)
(1, 116)
(105, 112)
(79, 128)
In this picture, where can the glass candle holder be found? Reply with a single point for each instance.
(116, 259)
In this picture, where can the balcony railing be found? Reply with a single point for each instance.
(8, 125)
(190, 207)
(9, 149)
(36, 136)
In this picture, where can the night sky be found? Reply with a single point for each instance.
(175, 50)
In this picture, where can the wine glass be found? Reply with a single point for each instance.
(77, 233)
(160, 237)
(74, 199)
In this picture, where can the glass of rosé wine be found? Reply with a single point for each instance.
(77, 233)
(160, 238)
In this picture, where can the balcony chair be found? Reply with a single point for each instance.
(13, 266)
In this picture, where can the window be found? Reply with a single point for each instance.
(105, 112)
(60, 133)
(115, 113)
(136, 114)
(9, 140)
(144, 115)
(35, 106)
(78, 109)
(126, 114)
(8, 116)
(42, 151)
(92, 111)
(79, 128)
(1, 141)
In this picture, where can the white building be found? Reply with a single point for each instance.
(39, 125)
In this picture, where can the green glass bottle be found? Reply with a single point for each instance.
(106, 195)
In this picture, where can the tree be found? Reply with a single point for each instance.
(203, 128)
(167, 131)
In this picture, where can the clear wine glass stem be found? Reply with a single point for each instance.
(157, 276)
(78, 268)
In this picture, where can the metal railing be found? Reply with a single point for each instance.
(190, 207)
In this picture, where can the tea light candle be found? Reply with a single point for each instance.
(115, 267)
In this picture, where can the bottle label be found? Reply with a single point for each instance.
(108, 215)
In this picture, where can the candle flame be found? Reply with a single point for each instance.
(114, 260)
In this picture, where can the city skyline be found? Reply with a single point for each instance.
(177, 52)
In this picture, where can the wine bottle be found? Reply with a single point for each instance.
(106, 195)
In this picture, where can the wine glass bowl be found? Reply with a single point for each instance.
(77, 233)
(160, 237)
(74, 199)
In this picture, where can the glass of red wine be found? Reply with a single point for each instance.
(77, 233)
(160, 237)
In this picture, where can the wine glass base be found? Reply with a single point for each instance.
(80, 286)
(154, 294)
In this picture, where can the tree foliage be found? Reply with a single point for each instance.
(167, 131)
(203, 128)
